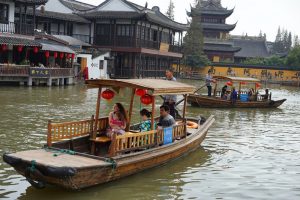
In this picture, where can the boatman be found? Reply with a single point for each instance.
(208, 80)
(170, 100)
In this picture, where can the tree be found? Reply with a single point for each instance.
(193, 42)
(293, 59)
(170, 11)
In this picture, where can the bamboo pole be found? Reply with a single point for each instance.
(130, 109)
(184, 113)
(49, 139)
(96, 119)
(153, 113)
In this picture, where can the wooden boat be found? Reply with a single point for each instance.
(216, 101)
(79, 155)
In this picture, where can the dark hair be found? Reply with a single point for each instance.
(145, 112)
(170, 70)
(209, 71)
(165, 107)
(122, 115)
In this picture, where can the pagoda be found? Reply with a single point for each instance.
(217, 45)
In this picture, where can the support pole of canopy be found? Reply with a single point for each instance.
(184, 113)
(240, 87)
(153, 113)
(130, 109)
(96, 119)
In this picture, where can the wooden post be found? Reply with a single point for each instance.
(215, 90)
(49, 139)
(184, 113)
(112, 148)
(94, 135)
(153, 113)
(240, 87)
(130, 109)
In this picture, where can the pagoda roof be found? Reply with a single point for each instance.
(226, 27)
(221, 48)
(123, 9)
(251, 48)
(210, 7)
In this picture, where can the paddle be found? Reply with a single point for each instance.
(199, 88)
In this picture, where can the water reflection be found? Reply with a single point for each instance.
(248, 153)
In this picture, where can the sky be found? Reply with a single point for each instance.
(252, 16)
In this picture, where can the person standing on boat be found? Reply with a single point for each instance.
(117, 120)
(208, 80)
(165, 119)
(170, 100)
(233, 96)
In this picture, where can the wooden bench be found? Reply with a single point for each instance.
(101, 139)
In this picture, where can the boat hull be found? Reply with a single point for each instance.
(215, 102)
(102, 171)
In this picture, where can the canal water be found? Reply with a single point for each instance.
(248, 153)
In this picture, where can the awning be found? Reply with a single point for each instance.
(56, 47)
(15, 41)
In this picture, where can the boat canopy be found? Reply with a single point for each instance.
(154, 86)
(237, 79)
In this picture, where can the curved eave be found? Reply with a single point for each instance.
(166, 22)
(111, 15)
(222, 49)
(224, 13)
(221, 27)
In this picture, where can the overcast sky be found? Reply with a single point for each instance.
(251, 15)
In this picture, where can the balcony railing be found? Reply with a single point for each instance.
(15, 27)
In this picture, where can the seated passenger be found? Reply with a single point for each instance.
(146, 124)
(251, 95)
(165, 119)
(266, 95)
(117, 121)
(224, 89)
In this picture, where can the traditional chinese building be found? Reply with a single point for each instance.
(217, 45)
(144, 42)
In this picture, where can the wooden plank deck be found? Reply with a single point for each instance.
(56, 159)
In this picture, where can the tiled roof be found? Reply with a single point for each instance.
(251, 48)
(13, 39)
(76, 5)
(226, 27)
(37, 2)
(71, 40)
(221, 48)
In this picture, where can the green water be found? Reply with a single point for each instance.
(248, 153)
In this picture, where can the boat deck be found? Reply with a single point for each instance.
(58, 159)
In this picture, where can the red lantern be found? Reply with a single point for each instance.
(35, 49)
(55, 55)
(68, 56)
(73, 56)
(258, 85)
(4, 47)
(243, 83)
(47, 54)
(61, 55)
(140, 92)
(229, 83)
(20, 48)
(146, 99)
(108, 94)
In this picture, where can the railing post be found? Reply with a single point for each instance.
(49, 139)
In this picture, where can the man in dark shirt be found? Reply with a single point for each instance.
(165, 119)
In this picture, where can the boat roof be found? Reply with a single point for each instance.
(236, 79)
(154, 86)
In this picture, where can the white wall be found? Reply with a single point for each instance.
(11, 12)
(93, 65)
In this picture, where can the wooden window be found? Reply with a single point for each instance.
(4, 13)
(101, 64)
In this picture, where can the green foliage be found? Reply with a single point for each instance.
(193, 44)
(283, 41)
(293, 59)
(170, 11)
(271, 61)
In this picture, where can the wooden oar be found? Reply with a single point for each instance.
(199, 88)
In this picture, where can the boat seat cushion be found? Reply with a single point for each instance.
(101, 139)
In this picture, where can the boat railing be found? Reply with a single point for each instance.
(69, 130)
(140, 141)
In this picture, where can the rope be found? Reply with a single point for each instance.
(112, 161)
(33, 166)
(59, 152)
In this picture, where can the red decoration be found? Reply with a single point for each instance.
(73, 56)
(61, 55)
(140, 92)
(55, 55)
(35, 49)
(20, 48)
(258, 85)
(47, 54)
(146, 99)
(108, 94)
(68, 56)
(229, 83)
(4, 47)
(243, 83)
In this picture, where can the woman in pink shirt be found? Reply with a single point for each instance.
(117, 121)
